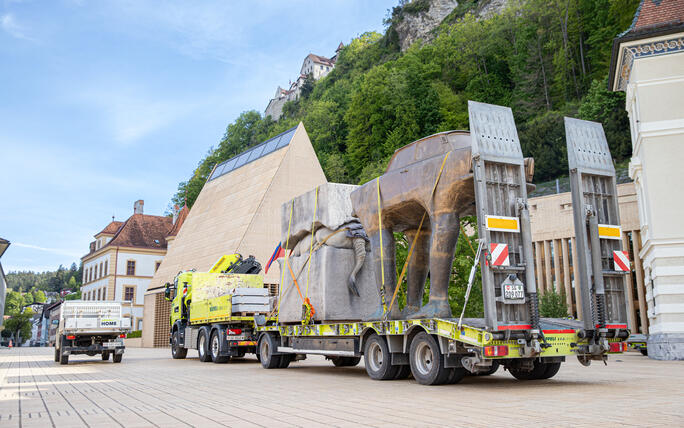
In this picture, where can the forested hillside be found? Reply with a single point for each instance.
(544, 58)
(61, 279)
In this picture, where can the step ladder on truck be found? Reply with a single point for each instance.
(511, 334)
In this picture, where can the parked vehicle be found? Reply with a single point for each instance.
(91, 328)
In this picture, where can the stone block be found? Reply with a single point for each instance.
(666, 346)
(333, 209)
(328, 290)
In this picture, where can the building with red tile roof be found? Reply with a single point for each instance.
(124, 257)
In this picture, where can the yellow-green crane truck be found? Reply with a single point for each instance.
(213, 312)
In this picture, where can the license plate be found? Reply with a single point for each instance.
(111, 344)
(514, 292)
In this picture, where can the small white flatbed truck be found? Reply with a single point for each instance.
(91, 328)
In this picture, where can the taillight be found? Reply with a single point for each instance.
(233, 331)
(122, 336)
(71, 337)
(617, 346)
(496, 351)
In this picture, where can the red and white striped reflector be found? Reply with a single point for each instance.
(621, 261)
(499, 254)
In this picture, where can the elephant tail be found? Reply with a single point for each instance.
(360, 258)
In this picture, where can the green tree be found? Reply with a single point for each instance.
(552, 305)
(20, 325)
(28, 298)
(39, 296)
(14, 301)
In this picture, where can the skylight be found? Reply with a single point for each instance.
(252, 154)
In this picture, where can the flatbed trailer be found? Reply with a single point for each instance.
(511, 333)
(435, 350)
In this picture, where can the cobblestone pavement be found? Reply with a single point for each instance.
(150, 389)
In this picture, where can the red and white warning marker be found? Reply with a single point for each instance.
(499, 253)
(621, 261)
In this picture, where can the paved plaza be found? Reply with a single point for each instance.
(150, 389)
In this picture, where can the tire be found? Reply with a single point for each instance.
(177, 351)
(117, 358)
(491, 371)
(536, 373)
(203, 346)
(378, 360)
(63, 358)
(56, 354)
(427, 364)
(403, 372)
(456, 375)
(215, 348)
(105, 355)
(267, 346)
(644, 351)
(285, 361)
(346, 361)
(551, 370)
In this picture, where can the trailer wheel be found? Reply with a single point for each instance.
(63, 358)
(267, 346)
(491, 371)
(203, 346)
(216, 349)
(551, 370)
(117, 358)
(346, 361)
(377, 359)
(537, 372)
(427, 364)
(177, 351)
(105, 355)
(56, 354)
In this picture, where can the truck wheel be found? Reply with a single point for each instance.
(346, 361)
(63, 358)
(377, 359)
(537, 372)
(177, 351)
(285, 361)
(117, 358)
(267, 346)
(56, 354)
(105, 355)
(203, 346)
(456, 375)
(216, 349)
(403, 372)
(644, 351)
(427, 364)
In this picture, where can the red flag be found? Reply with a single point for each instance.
(278, 253)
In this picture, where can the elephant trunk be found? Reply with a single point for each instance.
(360, 258)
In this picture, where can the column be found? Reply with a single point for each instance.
(641, 289)
(566, 276)
(629, 294)
(557, 265)
(538, 248)
(547, 265)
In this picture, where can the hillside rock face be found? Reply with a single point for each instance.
(420, 24)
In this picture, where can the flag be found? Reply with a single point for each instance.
(278, 253)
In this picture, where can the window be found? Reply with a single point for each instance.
(91, 274)
(99, 270)
(140, 323)
(105, 268)
(85, 276)
(130, 268)
(156, 266)
(129, 293)
(99, 296)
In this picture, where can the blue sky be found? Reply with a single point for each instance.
(106, 102)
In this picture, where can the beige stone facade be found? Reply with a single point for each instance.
(237, 212)
(648, 65)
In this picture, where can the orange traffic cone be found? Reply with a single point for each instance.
(10, 343)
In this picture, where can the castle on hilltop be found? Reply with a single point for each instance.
(314, 65)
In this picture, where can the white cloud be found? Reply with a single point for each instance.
(57, 251)
(10, 25)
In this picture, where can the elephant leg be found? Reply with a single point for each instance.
(388, 263)
(442, 248)
(417, 270)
